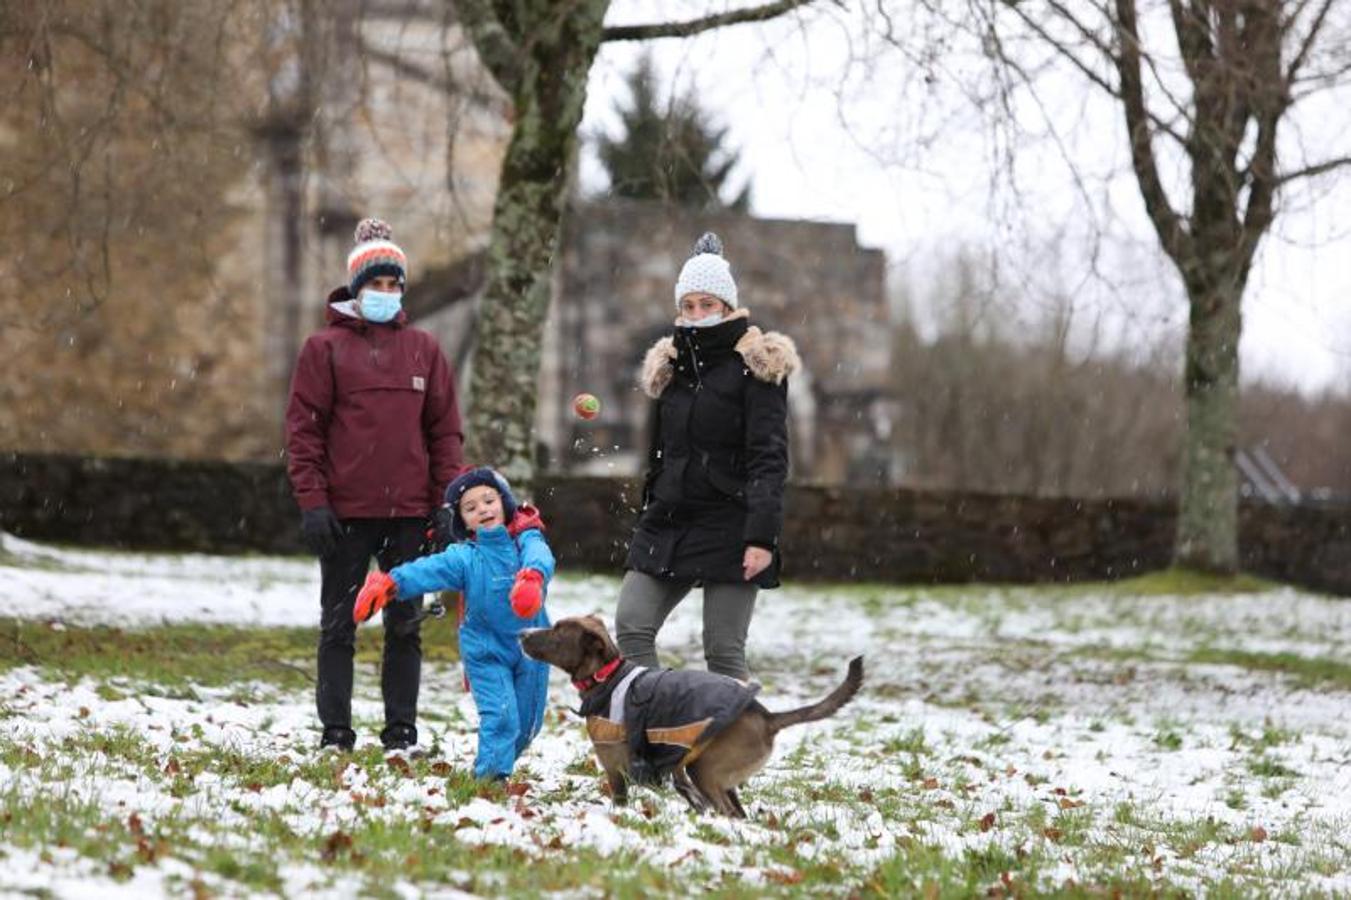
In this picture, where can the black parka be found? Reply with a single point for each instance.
(719, 454)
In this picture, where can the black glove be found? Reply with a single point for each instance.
(442, 523)
(321, 529)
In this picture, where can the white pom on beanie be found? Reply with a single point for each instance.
(707, 272)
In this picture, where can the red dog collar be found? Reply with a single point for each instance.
(601, 675)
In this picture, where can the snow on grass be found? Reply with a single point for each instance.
(1012, 739)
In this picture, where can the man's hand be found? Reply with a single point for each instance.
(755, 561)
(321, 529)
(374, 596)
(527, 594)
(442, 528)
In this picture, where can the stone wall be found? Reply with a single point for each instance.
(831, 533)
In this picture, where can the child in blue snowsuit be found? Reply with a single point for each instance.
(502, 565)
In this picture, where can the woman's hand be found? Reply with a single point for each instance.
(756, 560)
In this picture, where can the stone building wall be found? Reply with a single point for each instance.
(190, 354)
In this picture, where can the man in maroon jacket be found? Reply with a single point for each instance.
(373, 438)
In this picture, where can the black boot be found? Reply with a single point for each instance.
(338, 738)
(398, 737)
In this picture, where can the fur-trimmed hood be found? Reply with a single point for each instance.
(770, 357)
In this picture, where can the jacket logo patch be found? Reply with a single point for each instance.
(419, 383)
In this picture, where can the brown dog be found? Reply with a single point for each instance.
(709, 758)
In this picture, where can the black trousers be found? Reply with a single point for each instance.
(390, 541)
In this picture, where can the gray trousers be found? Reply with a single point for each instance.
(645, 602)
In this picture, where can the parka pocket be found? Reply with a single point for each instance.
(722, 482)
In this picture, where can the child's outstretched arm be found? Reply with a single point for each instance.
(537, 569)
(438, 572)
(444, 571)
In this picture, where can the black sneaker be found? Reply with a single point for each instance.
(338, 739)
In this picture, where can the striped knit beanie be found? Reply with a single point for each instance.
(374, 254)
(706, 272)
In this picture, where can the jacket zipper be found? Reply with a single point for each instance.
(694, 361)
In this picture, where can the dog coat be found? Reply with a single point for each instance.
(667, 716)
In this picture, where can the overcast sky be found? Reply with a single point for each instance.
(833, 123)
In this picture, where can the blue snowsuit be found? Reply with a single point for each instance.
(509, 688)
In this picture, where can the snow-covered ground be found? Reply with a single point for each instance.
(1071, 729)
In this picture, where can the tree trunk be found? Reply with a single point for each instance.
(1207, 524)
(548, 87)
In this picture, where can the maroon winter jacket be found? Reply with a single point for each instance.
(372, 426)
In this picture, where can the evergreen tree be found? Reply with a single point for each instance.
(675, 155)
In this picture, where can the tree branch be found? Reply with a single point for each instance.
(1084, 68)
(404, 67)
(1313, 171)
(1269, 99)
(496, 47)
(1192, 39)
(1172, 234)
(1302, 55)
(697, 26)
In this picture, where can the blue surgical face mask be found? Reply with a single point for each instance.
(705, 322)
(380, 306)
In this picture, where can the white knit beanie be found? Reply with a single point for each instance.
(706, 272)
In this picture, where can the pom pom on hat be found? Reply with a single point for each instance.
(706, 272)
(708, 243)
(375, 254)
(372, 230)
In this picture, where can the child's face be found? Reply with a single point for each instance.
(481, 507)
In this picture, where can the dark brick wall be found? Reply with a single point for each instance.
(831, 533)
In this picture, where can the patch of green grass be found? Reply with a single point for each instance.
(179, 655)
(912, 742)
(1176, 582)
(1273, 788)
(371, 856)
(1265, 766)
(1168, 739)
(1073, 826)
(1308, 671)
(1270, 736)
(924, 870)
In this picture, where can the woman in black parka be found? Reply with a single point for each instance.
(713, 495)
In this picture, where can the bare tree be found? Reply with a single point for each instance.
(541, 54)
(1204, 87)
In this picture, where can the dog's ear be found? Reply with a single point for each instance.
(592, 642)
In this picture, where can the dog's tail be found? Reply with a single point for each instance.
(823, 708)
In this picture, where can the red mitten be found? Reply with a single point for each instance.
(527, 594)
(374, 595)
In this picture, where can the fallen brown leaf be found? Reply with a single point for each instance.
(335, 843)
(779, 876)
